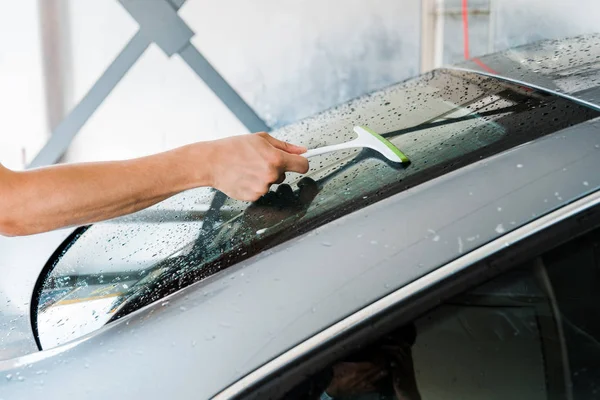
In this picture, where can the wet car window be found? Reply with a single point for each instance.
(442, 121)
(532, 333)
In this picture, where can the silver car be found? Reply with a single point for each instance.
(471, 273)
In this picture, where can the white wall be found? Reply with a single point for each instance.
(22, 108)
(158, 105)
(517, 22)
(293, 59)
(288, 60)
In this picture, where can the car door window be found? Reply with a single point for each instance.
(530, 333)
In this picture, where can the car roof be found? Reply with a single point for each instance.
(567, 67)
(205, 337)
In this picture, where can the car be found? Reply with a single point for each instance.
(472, 272)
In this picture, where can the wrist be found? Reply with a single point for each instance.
(195, 161)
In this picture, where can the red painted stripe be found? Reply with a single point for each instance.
(465, 17)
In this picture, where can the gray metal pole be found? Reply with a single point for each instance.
(159, 23)
(223, 90)
(56, 60)
(64, 133)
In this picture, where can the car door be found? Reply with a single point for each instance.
(521, 323)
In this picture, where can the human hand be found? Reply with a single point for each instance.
(244, 167)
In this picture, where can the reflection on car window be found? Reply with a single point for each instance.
(441, 121)
(532, 333)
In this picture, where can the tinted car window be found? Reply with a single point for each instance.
(531, 333)
(441, 121)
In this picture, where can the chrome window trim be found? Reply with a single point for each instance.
(410, 289)
(527, 84)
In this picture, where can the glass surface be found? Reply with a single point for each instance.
(441, 121)
(532, 333)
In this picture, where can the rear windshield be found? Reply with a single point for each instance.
(442, 121)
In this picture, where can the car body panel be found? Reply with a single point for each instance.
(22, 260)
(206, 336)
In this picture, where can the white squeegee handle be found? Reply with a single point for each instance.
(334, 147)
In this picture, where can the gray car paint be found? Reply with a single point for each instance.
(21, 261)
(318, 291)
(206, 336)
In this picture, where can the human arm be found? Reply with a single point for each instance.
(48, 198)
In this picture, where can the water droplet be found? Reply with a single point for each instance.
(585, 183)
(21, 378)
(499, 209)
(500, 228)
(8, 377)
(519, 165)
(373, 241)
(182, 308)
(326, 244)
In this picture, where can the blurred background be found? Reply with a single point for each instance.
(110, 79)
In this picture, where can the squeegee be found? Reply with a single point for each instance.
(366, 138)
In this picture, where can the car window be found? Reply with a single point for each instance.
(441, 121)
(530, 333)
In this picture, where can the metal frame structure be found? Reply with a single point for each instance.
(161, 24)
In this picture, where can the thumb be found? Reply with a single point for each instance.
(285, 146)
